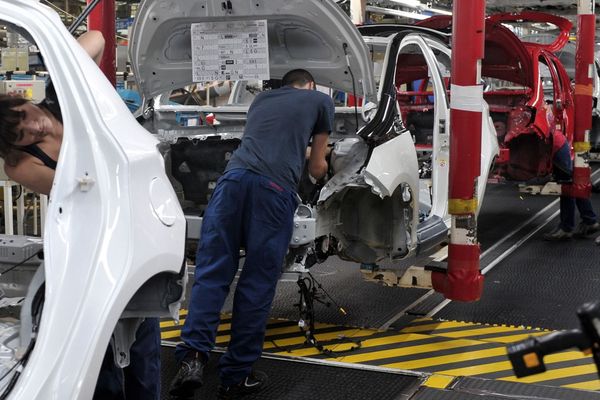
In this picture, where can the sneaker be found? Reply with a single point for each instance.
(558, 235)
(584, 230)
(189, 376)
(253, 383)
(597, 241)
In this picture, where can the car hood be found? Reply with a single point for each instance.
(314, 35)
(506, 57)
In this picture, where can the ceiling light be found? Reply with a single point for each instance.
(408, 3)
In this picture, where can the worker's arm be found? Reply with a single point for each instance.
(32, 174)
(93, 44)
(317, 164)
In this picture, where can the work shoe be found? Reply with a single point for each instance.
(189, 376)
(584, 230)
(558, 235)
(253, 383)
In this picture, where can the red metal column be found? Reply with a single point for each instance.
(103, 19)
(584, 86)
(463, 281)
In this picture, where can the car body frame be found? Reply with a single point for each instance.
(113, 243)
(375, 205)
(528, 92)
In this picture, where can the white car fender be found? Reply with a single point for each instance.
(392, 163)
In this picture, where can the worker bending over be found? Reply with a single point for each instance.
(253, 208)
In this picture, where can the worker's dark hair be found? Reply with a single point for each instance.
(297, 77)
(9, 120)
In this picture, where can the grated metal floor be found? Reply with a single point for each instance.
(538, 286)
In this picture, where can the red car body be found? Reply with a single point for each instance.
(526, 114)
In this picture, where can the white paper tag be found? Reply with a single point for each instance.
(230, 50)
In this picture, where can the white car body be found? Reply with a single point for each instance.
(375, 179)
(114, 226)
(114, 234)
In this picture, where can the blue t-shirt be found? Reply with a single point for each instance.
(279, 125)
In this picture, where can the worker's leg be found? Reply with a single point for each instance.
(216, 264)
(567, 213)
(110, 380)
(586, 210)
(142, 376)
(269, 224)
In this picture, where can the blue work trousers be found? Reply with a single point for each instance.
(140, 380)
(563, 170)
(249, 211)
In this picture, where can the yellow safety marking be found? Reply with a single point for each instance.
(437, 325)
(462, 206)
(438, 381)
(170, 324)
(387, 340)
(449, 359)
(382, 341)
(479, 369)
(588, 385)
(477, 330)
(581, 147)
(295, 329)
(506, 366)
(312, 351)
(473, 332)
(555, 374)
(457, 339)
(586, 90)
(407, 351)
(170, 334)
(289, 329)
(512, 338)
(227, 326)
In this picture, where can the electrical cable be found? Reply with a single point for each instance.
(15, 377)
(36, 311)
(7, 390)
(86, 11)
(39, 253)
(308, 294)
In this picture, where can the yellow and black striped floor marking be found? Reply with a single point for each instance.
(445, 349)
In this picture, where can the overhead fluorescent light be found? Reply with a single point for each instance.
(438, 11)
(398, 13)
(416, 4)
(408, 3)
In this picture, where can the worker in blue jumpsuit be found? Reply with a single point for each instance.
(252, 207)
(563, 172)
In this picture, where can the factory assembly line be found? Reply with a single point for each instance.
(416, 270)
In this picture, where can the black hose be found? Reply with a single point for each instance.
(86, 12)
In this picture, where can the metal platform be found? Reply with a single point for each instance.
(450, 350)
